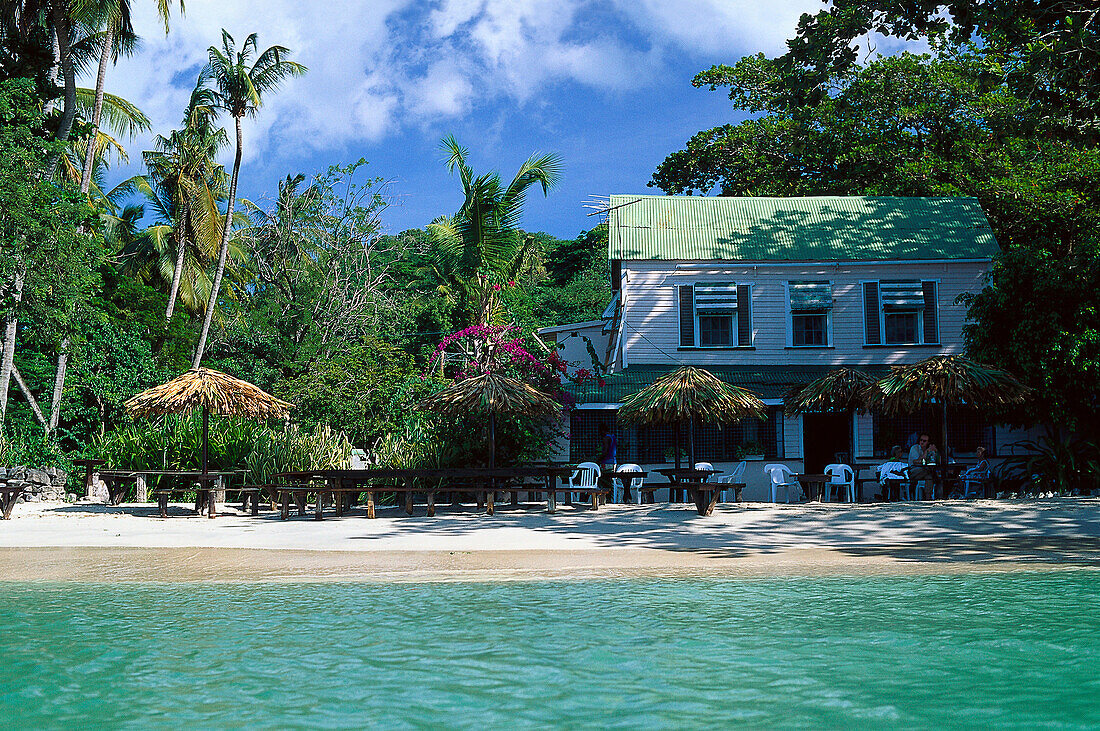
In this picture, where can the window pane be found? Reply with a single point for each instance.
(809, 329)
(715, 329)
(901, 327)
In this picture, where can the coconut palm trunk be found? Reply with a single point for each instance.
(62, 27)
(177, 271)
(7, 362)
(97, 109)
(223, 251)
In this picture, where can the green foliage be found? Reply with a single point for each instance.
(176, 443)
(1052, 464)
(40, 221)
(364, 390)
(31, 448)
(1039, 315)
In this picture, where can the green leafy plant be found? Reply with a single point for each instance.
(1052, 464)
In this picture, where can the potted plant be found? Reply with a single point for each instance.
(751, 451)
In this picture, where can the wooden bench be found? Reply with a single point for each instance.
(9, 496)
(248, 493)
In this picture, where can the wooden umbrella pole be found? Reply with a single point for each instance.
(205, 439)
(691, 442)
(492, 440)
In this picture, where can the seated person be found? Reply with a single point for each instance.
(978, 471)
(892, 470)
(923, 458)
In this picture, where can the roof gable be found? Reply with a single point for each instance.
(850, 228)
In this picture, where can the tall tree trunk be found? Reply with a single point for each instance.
(7, 362)
(97, 110)
(30, 397)
(68, 71)
(59, 383)
(177, 272)
(223, 251)
(55, 74)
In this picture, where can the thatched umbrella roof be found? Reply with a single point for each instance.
(946, 380)
(209, 390)
(690, 393)
(491, 393)
(494, 395)
(843, 389)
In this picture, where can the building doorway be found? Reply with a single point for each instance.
(823, 435)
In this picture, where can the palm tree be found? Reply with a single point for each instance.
(188, 185)
(117, 37)
(239, 89)
(481, 247)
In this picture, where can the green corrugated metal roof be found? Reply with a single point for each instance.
(765, 381)
(797, 229)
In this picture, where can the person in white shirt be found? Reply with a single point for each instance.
(892, 470)
(922, 458)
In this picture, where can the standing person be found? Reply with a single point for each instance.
(922, 458)
(610, 448)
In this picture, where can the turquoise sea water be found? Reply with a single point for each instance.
(1007, 650)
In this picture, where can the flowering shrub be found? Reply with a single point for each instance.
(500, 349)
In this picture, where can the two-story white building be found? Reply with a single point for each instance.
(769, 294)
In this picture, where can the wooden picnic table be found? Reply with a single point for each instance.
(678, 475)
(117, 480)
(484, 482)
(814, 480)
(627, 478)
(9, 496)
(703, 494)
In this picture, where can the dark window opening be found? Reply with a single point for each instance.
(901, 328)
(967, 429)
(715, 329)
(810, 329)
(656, 444)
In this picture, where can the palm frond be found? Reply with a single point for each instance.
(946, 380)
(690, 393)
(844, 389)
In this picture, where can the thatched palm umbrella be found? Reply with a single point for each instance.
(492, 394)
(948, 381)
(213, 392)
(687, 394)
(843, 389)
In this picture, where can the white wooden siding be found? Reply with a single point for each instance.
(651, 327)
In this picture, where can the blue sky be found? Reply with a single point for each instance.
(603, 83)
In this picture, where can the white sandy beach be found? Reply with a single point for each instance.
(131, 542)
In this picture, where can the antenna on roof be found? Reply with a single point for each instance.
(601, 204)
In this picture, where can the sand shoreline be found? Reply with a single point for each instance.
(56, 542)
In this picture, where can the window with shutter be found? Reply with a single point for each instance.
(687, 316)
(744, 315)
(931, 313)
(811, 303)
(871, 313)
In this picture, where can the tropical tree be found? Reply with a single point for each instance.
(186, 184)
(117, 38)
(481, 249)
(239, 87)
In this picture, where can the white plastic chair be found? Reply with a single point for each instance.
(974, 480)
(617, 489)
(780, 475)
(584, 477)
(841, 476)
(736, 477)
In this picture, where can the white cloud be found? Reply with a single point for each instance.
(381, 66)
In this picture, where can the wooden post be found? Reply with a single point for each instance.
(408, 502)
(142, 487)
(431, 504)
(285, 514)
(551, 501)
(489, 503)
(320, 505)
(370, 503)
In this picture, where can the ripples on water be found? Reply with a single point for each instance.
(1009, 650)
